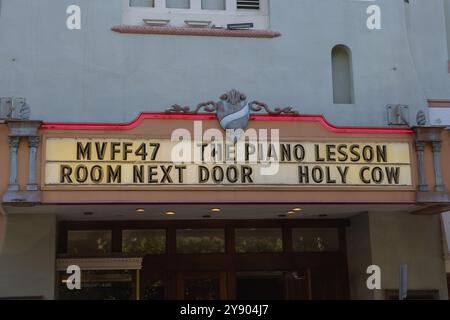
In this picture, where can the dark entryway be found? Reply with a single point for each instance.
(222, 259)
(259, 286)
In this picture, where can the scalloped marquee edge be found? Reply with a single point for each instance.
(206, 116)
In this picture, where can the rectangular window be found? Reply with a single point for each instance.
(142, 3)
(89, 242)
(185, 13)
(200, 241)
(144, 241)
(315, 240)
(213, 4)
(179, 4)
(259, 240)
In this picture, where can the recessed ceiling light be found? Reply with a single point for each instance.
(323, 215)
(216, 209)
(140, 210)
(297, 209)
(88, 213)
(291, 212)
(282, 215)
(206, 216)
(170, 213)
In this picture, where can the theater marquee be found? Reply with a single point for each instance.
(146, 162)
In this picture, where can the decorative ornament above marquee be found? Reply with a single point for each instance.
(233, 111)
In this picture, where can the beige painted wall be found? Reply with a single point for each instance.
(415, 240)
(27, 256)
(359, 256)
(396, 238)
(445, 223)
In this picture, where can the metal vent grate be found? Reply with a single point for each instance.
(248, 4)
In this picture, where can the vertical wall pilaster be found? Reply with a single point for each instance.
(429, 135)
(13, 149)
(436, 147)
(33, 143)
(420, 148)
(26, 129)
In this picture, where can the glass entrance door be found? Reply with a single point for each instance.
(201, 286)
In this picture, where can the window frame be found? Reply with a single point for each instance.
(335, 230)
(280, 229)
(177, 16)
(163, 230)
(180, 230)
(108, 252)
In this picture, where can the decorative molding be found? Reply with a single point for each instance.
(398, 114)
(14, 108)
(95, 126)
(232, 97)
(258, 106)
(434, 197)
(181, 31)
(23, 128)
(421, 118)
(439, 103)
(232, 102)
(428, 133)
(22, 198)
(20, 128)
(211, 107)
(33, 141)
(100, 263)
(436, 146)
(13, 141)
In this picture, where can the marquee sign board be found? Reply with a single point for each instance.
(148, 162)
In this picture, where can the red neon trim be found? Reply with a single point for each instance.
(208, 116)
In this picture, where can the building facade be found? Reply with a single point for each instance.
(336, 178)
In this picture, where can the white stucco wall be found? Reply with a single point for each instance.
(94, 74)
